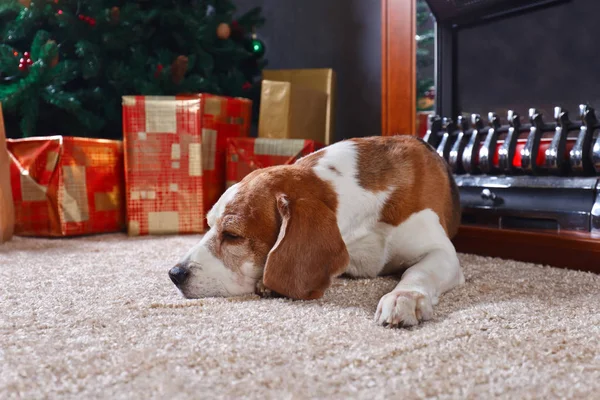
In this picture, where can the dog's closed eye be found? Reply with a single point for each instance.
(230, 236)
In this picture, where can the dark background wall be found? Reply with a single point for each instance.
(341, 34)
(541, 59)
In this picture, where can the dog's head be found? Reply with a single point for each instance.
(277, 225)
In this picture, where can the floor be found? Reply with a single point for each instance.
(97, 317)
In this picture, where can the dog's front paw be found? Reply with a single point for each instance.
(403, 308)
(262, 290)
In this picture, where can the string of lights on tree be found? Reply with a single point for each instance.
(65, 64)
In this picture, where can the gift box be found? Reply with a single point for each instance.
(67, 186)
(289, 111)
(7, 210)
(175, 150)
(319, 80)
(248, 154)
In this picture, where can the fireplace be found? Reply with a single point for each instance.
(517, 89)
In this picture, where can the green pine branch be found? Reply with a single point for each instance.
(10, 8)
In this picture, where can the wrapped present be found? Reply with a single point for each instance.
(7, 210)
(248, 154)
(67, 186)
(290, 111)
(322, 80)
(175, 149)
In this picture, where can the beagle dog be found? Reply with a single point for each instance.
(362, 207)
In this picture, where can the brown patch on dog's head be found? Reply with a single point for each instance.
(281, 223)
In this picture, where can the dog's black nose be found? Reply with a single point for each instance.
(178, 274)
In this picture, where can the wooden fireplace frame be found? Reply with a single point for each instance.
(578, 251)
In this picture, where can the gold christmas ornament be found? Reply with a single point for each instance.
(54, 61)
(115, 14)
(223, 31)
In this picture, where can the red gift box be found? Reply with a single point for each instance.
(245, 155)
(175, 158)
(67, 186)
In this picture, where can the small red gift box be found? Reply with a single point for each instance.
(67, 186)
(245, 155)
(175, 158)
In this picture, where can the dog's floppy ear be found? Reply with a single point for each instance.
(309, 250)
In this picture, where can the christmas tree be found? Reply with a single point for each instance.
(65, 64)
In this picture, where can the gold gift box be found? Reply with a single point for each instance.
(288, 111)
(321, 80)
(7, 211)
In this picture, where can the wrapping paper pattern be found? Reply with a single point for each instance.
(223, 118)
(248, 154)
(67, 186)
(175, 158)
(7, 210)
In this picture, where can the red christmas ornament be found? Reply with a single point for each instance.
(24, 62)
(247, 86)
(89, 20)
(159, 69)
(236, 30)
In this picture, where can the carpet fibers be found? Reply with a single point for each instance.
(97, 317)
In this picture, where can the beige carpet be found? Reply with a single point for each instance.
(98, 318)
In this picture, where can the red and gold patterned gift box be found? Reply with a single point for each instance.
(175, 158)
(245, 155)
(163, 164)
(67, 186)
